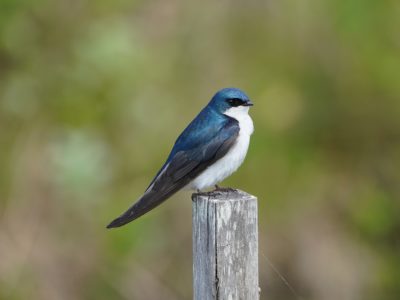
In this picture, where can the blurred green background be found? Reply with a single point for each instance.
(94, 93)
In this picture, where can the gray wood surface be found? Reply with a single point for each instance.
(225, 246)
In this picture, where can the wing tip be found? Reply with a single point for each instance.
(123, 220)
(114, 224)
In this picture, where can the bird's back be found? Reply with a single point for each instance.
(202, 129)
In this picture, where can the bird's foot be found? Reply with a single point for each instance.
(223, 189)
(217, 189)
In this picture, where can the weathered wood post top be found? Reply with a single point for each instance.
(225, 246)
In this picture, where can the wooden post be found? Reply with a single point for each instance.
(225, 246)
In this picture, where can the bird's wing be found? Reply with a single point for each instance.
(183, 167)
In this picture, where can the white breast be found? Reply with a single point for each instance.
(235, 156)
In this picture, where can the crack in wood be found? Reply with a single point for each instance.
(216, 252)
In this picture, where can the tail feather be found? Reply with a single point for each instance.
(147, 202)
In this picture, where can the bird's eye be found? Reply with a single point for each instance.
(235, 102)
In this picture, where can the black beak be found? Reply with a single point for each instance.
(248, 103)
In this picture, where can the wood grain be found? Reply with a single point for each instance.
(225, 246)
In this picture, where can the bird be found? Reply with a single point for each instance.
(210, 149)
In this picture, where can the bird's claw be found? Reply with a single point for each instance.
(223, 189)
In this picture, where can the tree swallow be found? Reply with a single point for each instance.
(210, 149)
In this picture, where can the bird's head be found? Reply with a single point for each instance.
(230, 101)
